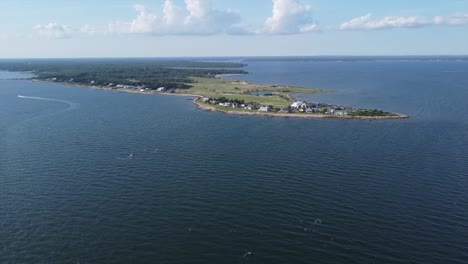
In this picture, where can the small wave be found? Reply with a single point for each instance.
(247, 254)
(126, 157)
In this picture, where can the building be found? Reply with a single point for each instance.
(341, 113)
(299, 104)
(264, 109)
(249, 107)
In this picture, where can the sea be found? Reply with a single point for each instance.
(94, 176)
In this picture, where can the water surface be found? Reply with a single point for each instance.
(91, 176)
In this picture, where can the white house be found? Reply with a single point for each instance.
(298, 104)
(264, 109)
(341, 113)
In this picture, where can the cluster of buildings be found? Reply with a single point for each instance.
(111, 85)
(139, 88)
(237, 104)
(296, 107)
(302, 106)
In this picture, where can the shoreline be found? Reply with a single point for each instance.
(244, 113)
(114, 90)
(292, 115)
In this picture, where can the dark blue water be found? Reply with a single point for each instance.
(109, 177)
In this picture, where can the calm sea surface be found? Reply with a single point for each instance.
(90, 176)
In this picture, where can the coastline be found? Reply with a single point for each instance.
(243, 112)
(292, 115)
(114, 90)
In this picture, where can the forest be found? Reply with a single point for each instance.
(150, 73)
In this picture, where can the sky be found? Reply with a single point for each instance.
(198, 28)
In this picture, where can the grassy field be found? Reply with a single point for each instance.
(235, 89)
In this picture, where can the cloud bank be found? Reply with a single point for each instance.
(200, 18)
(197, 18)
(367, 23)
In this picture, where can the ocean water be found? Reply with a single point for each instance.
(91, 176)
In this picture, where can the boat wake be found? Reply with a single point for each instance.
(71, 105)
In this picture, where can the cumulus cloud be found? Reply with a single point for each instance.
(290, 17)
(198, 18)
(53, 30)
(367, 23)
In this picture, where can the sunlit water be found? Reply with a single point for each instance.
(90, 176)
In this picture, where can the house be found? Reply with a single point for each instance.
(249, 107)
(341, 113)
(298, 104)
(311, 105)
(205, 99)
(309, 110)
(295, 104)
(284, 111)
(161, 89)
(264, 109)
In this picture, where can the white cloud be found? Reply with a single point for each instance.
(458, 19)
(89, 29)
(198, 18)
(53, 30)
(290, 17)
(366, 22)
(172, 13)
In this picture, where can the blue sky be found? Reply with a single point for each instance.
(173, 28)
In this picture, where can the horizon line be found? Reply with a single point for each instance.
(227, 56)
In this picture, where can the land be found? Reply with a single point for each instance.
(203, 80)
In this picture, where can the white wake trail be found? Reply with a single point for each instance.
(71, 105)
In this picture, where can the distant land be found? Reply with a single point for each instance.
(200, 79)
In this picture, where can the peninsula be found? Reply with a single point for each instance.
(203, 80)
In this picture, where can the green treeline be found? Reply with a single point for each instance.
(373, 112)
(151, 73)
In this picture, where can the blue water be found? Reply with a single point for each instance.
(95, 176)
